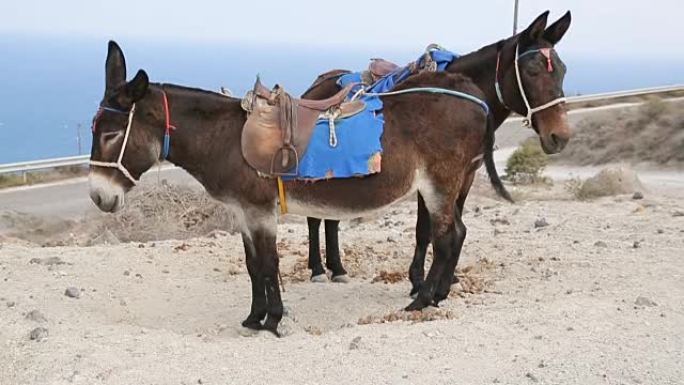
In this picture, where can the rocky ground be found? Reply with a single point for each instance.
(553, 291)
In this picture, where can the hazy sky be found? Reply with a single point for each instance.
(601, 27)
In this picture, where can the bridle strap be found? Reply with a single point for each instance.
(118, 164)
(168, 127)
(497, 86)
(527, 120)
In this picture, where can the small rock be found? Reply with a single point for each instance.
(643, 301)
(541, 222)
(355, 343)
(35, 315)
(126, 273)
(600, 244)
(11, 303)
(678, 213)
(391, 239)
(38, 334)
(532, 377)
(637, 195)
(72, 292)
(636, 244)
(50, 261)
(500, 221)
(660, 231)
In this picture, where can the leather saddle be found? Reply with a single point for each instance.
(379, 68)
(279, 127)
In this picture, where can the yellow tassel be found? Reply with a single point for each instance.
(281, 195)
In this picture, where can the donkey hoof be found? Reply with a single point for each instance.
(252, 324)
(320, 278)
(344, 278)
(416, 305)
(271, 325)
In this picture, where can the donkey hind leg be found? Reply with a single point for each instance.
(444, 285)
(449, 277)
(332, 252)
(443, 238)
(315, 265)
(417, 269)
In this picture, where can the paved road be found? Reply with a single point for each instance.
(69, 199)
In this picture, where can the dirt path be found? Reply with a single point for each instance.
(595, 297)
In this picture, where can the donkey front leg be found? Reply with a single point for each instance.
(258, 310)
(266, 249)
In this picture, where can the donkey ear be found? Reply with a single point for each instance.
(137, 87)
(115, 67)
(555, 32)
(535, 30)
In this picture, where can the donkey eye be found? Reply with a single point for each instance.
(109, 136)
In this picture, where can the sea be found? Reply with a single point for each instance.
(50, 87)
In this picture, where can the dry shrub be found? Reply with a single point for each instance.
(473, 278)
(527, 163)
(300, 271)
(389, 277)
(653, 133)
(426, 315)
(166, 212)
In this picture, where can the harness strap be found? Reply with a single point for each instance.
(282, 198)
(431, 90)
(166, 147)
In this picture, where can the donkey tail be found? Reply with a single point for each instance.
(489, 161)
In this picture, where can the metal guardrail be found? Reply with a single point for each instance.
(22, 167)
(624, 94)
(18, 167)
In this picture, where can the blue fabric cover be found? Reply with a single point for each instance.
(358, 151)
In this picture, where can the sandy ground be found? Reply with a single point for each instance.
(595, 297)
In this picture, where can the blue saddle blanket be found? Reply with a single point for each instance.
(358, 151)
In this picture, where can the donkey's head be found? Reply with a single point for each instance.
(530, 80)
(127, 133)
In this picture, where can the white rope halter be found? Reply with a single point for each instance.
(118, 164)
(527, 121)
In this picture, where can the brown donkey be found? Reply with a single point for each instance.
(429, 144)
(487, 66)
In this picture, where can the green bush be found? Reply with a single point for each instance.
(527, 163)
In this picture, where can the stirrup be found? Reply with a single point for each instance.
(286, 150)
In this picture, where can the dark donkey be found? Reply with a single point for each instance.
(429, 144)
(487, 66)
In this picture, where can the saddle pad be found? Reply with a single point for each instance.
(358, 151)
(441, 57)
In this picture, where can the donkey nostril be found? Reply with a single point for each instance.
(554, 139)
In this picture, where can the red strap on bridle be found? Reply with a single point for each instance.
(547, 54)
(167, 115)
